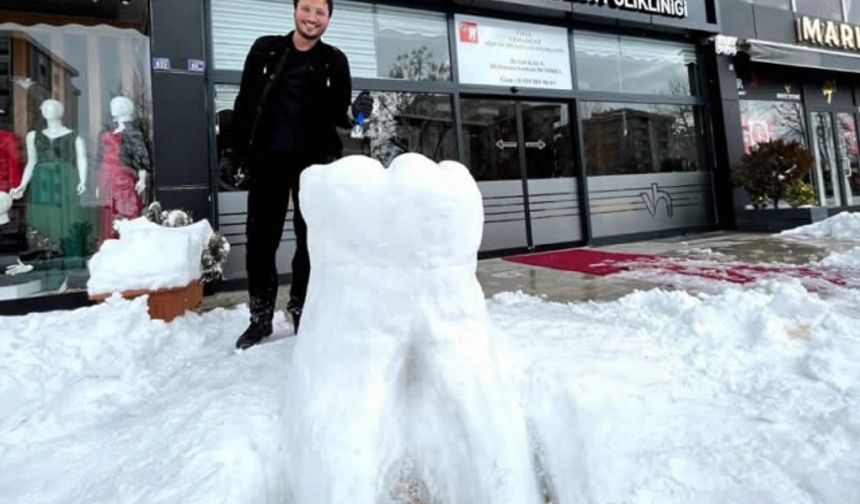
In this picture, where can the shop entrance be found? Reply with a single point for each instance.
(837, 158)
(522, 155)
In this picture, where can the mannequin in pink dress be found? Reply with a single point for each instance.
(123, 169)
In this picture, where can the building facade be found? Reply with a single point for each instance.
(790, 70)
(583, 121)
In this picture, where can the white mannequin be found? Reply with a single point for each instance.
(5, 206)
(52, 111)
(122, 111)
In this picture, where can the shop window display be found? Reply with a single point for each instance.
(75, 148)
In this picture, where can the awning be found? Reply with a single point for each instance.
(777, 53)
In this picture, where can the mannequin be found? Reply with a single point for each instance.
(123, 169)
(56, 176)
(5, 206)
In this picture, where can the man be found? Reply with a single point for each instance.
(295, 91)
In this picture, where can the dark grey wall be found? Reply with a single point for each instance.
(182, 122)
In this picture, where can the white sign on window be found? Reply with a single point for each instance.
(505, 53)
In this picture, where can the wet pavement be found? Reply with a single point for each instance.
(499, 275)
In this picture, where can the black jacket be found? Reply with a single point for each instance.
(329, 95)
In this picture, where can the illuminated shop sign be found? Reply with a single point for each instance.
(669, 8)
(826, 33)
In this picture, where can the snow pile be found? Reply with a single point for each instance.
(844, 226)
(849, 260)
(394, 380)
(105, 405)
(149, 257)
(751, 395)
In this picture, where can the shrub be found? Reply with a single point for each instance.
(771, 168)
(799, 194)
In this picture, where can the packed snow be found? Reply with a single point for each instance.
(745, 395)
(660, 397)
(394, 380)
(148, 256)
(843, 226)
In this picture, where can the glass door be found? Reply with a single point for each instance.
(837, 158)
(521, 154)
(827, 171)
(849, 157)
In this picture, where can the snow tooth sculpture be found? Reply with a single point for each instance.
(394, 392)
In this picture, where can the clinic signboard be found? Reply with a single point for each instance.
(496, 52)
(668, 8)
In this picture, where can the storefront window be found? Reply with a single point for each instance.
(766, 121)
(75, 139)
(380, 41)
(828, 9)
(622, 139)
(634, 65)
(401, 122)
(406, 122)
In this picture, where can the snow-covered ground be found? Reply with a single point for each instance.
(660, 397)
(746, 395)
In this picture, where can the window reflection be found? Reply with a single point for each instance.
(401, 122)
(380, 41)
(633, 138)
(490, 131)
(406, 122)
(633, 65)
(549, 145)
(766, 121)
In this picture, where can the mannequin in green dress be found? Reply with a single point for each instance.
(56, 175)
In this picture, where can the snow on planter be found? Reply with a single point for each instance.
(149, 257)
(395, 392)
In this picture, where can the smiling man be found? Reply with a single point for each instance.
(295, 91)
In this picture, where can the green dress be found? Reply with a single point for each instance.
(54, 213)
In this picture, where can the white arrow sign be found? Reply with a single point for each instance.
(539, 145)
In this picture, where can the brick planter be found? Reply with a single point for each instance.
(165, 304)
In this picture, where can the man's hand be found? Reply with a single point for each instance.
(362, 107)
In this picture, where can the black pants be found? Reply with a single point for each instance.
(274, 178)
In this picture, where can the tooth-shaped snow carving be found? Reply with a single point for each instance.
(394, 393)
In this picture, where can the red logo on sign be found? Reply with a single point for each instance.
(469, 32)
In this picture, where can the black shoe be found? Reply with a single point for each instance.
(294, 308)
(253, 335)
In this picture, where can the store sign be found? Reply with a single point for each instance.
(826, 33)
(669, 8)
(506, 53)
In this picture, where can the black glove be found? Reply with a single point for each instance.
(362, 106)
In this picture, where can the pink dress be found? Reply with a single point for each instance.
(117, 194)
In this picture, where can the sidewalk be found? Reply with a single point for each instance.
(498, 275)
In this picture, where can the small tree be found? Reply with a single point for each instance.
(770, 168)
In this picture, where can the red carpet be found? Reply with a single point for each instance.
(596, 262)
